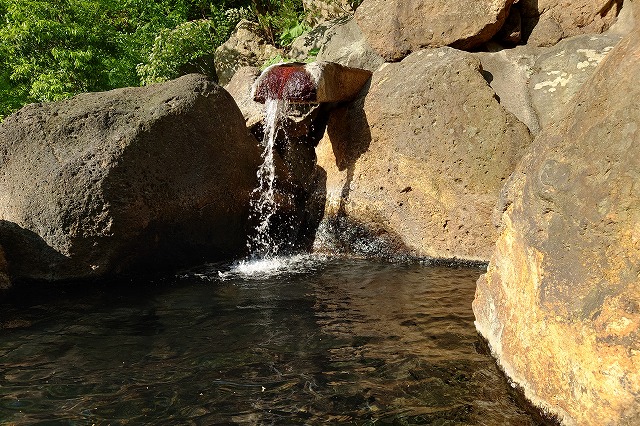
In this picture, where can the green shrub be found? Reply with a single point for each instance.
(54, 49)
(175, 48)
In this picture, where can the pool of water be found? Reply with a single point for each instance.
(301, 341)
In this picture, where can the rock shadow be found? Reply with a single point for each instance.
(349, 133)
(530, 16)
(350, 136)
(28, 255)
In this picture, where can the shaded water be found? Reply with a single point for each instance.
(316, 341)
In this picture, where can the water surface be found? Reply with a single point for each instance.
(317, 341)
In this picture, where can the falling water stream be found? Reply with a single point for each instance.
(261, 244)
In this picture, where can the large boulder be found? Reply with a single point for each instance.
(545, 22)
(396, 28)
(536, 83)
(125, 180)
(241, 89)
(346, 45)
(508, 72)
(561, 70)
(340, 41)
(245, 47)
(560, 302)
(419, 162)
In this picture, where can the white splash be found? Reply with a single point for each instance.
(269, 267)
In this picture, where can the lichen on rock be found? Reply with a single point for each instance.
(559, 304)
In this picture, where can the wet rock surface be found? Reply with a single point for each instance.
(4, 272)
(128, 180)
(240, 89)
(559, 303)
(419, 164)
(313, 83)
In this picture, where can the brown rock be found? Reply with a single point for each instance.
(560, 303)
(511, 32)
(545, 22)
(561, 70)
(240, 88)
(420, 161)
(346, 45)
(339, 41)
(245, 47)
(508, 72)
(320, 10)
(395, 28)
(316, 82)
(132, 179)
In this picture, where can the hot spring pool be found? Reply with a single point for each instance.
(303, 340)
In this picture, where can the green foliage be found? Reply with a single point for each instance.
(278, 59)
(54, 49)
(174, 48)
(313, 53)
(279, 19)
(287, 35)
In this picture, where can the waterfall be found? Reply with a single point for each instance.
(263, 204)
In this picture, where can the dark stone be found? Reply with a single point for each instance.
(130, 180)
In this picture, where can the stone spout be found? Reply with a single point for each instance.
(317, 82)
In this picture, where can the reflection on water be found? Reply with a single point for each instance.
(340, 341)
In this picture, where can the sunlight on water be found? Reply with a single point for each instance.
(268, 267)
(335, 341)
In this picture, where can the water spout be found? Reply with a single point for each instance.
(316, 82)
(288, 81)
(278, 87)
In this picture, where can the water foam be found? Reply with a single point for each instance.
(270, 267)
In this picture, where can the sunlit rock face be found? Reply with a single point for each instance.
(245, 47)
(560, 303)
(560, 71)
(395, 28)
(130, 180)
(419, 161)
(545, 22)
